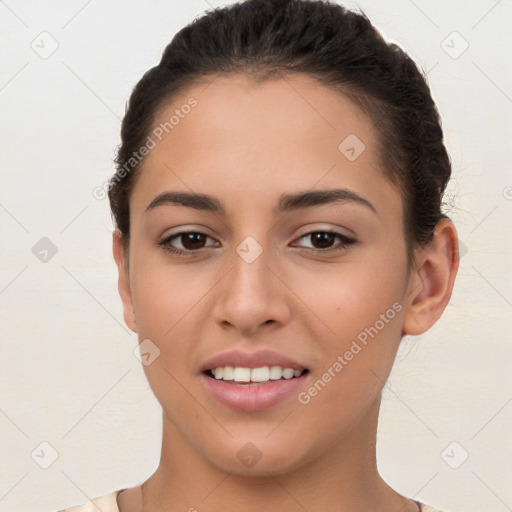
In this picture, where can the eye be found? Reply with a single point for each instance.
(322, 241)
(192, 242)
(186, 242)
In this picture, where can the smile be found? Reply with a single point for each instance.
(254, 375)
(237, 390)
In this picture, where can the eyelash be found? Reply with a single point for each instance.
(345, 242)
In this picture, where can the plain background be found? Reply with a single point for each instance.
(68, 373)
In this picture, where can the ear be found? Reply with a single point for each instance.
(431, 279)
(123, 282)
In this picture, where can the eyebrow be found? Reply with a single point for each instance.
(287, 202)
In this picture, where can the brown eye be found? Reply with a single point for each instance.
(325, 241)
(322, 240)
(186, 242)
(192, 241)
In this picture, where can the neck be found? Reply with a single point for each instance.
(345, 478)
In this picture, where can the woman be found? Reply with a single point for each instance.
(279, 229)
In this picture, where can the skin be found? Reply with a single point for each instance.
(247, 144)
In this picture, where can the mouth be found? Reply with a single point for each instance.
(254, 389)
(253, 381)
(238, 375)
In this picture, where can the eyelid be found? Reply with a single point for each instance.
(345, 241)
(184, 229)
(322, 227)
(315, 227)
(165, 241)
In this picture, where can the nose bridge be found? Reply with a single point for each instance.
(252, 269)
(252, 294)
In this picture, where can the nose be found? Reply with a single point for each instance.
(253, 295)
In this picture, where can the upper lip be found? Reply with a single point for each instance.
(251, 360)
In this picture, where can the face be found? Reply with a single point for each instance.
(321, 282)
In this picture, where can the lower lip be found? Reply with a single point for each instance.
(252, 398)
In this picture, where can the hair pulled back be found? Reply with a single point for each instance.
(339, 48)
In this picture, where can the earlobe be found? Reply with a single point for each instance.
(123, 282)
(431, 280)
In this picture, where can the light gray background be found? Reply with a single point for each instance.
(68, 374)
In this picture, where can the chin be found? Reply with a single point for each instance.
(262, 468)
(257, 459)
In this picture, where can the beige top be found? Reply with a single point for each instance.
(108, 503)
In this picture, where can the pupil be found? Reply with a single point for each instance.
(195, 238)
(325, 239)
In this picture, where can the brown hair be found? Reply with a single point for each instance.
(339, 48)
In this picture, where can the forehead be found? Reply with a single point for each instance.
(285, 133)
(236, 110)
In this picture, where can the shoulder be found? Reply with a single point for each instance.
(106, 503)
(428, 508)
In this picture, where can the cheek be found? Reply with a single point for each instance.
(173, 305)
(164, 296)
(363, 311)
(360, 307)
(352, 296)
(167, 305)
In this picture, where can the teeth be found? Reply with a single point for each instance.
(262, 374)
(228, 373)
(276, 372)
(242, 374)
